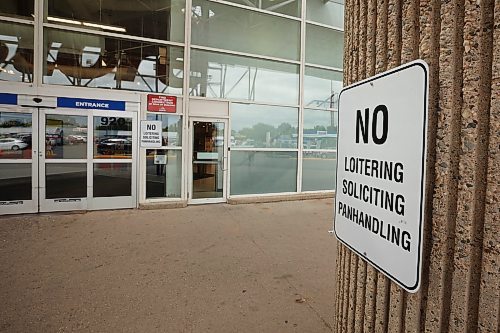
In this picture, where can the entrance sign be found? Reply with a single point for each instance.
(90, 104)
(162, 103)
(151, 134)
(381, 161)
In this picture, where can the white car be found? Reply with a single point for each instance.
(12, 144)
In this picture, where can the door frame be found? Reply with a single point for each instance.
(25, 206)
(225, 166)
(89, 202)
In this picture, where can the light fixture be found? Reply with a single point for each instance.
(105, 27)
(61, 20)
(86, 24)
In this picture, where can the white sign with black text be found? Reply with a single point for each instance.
(381, 161)
(151, 134)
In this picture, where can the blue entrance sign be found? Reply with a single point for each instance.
(9, 99)
(91, 104)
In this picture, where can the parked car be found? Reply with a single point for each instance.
(114, 147)
(12, 144)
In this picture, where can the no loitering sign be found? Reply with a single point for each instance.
(381, 162)
(151, 134)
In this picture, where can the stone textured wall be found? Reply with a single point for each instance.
(460, 40)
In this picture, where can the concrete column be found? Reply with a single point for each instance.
(460, 40)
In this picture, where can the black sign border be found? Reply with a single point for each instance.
(419, 63)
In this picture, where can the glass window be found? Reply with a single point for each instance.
(322, 88)
(22, 8)
(112, 180)
(65, 180)
(318, 171)
(324, 46)
(15, 135)
(262, 126)
(16, 52)
(330, 12)
(171, 128)
(219, 75)
(163, 173)
(65, 136)
(159, 19)
(285, 7)
(112, 137)
(231, 28)
(15, 182)
(85, 60)
(263, 172)
(320, 129)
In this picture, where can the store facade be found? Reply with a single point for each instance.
(255, 117)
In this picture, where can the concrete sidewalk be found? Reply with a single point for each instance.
(213, 268)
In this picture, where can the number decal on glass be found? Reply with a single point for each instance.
(105, 121)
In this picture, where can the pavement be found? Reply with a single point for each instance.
(206, 268)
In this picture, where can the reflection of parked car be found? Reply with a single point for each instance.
(77, 139)
(114, 146)
(12, 144)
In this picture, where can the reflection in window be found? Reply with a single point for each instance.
(158, 19)
(318, 171)
(244, 31)
(324, 46)
(262, 126)
(65, 180)
(263, 172)
(85, 60)
(16, 52)
(17, 8)
(330, 12)
(285, 7)
(240, 78)
(15, 135)
(15, 182)
(112, 180)
(171, 128)
(65, 136)
(320, 129)
(322, 88)
(112, 137)
(163, 173)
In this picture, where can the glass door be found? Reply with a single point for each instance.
(113, 164)
(18, 161)
(208, 161)
(64, 152)
(87, 160)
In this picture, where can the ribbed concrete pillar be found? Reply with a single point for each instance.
(460, 40)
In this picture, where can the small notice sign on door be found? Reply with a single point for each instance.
(162, 103)
(151, 134)
(381, 161)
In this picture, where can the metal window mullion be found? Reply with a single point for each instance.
(185, 102)
(38, 45)
(17, 20)
(245, 101)
(111, 34)
(325, 26)
(244, 54)
(329, 68)
(269, 150)
(258, 10)
(300, 137)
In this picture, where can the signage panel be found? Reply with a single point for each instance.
(162, 103)
(8, 99)
(90, 104)
(151, 134)
(381, 161)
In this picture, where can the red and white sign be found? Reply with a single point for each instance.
(162, 103)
